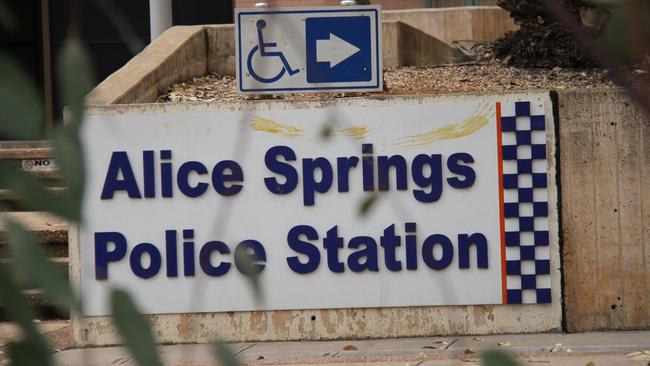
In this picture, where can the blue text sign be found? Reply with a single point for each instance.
(309, 49)
(465, 210)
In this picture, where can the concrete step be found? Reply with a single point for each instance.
(25, 149)
(32, 156)
(8, 201)
(25, 283)
(10, 332)
(52, 233)
(18, 153)
(42, 306)
(49, 176)
(49, 229)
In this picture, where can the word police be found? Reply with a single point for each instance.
(318, 175)
(426, 176)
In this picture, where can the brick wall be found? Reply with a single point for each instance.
(385, 4)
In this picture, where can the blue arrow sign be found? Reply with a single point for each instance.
(309, 49)
(338, 49)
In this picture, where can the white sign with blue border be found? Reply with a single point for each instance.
(464, 213)
(324, 49)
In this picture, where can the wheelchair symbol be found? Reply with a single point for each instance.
(261, 47)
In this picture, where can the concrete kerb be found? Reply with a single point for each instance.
(545, 348)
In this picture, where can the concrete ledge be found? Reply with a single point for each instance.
(467, 23)
(177, 55)
(417, 48)
(410, 37)
(221, 49)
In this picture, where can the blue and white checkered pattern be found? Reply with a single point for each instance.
(525, 193)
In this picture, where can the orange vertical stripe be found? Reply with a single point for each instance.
(504, 289)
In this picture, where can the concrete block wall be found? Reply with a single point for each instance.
(605, 183)
(471, 23)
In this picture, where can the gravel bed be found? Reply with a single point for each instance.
(461, 78)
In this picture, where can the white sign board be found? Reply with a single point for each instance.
(461, 215)
(291, 50)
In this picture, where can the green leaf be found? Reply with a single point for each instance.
(497, 358)
(76, 80)
(245, 260)
(367, 204)
(69, 158)
(134, 329)
(31, 192)
(225, 356)
(75, 73)
(20, 103)
(19, 310)
(326, 132)
(33, 262)
(28, 353)
(617, 37)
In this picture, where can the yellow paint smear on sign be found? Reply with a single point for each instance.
(465, 128)
(266, 125)
(356, 132)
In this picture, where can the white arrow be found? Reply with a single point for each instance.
(334, 50)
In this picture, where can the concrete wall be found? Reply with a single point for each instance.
(178, 54)
(403, 45)
(183, 52)
(417, 48)
(385, 4)
(478, 23)
(605, 172)
(221, 49)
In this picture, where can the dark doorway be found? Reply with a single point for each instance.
(192, 12)
(107, 49)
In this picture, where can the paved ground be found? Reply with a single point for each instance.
(587, 349)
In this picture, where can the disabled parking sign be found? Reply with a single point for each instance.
(288, 50)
